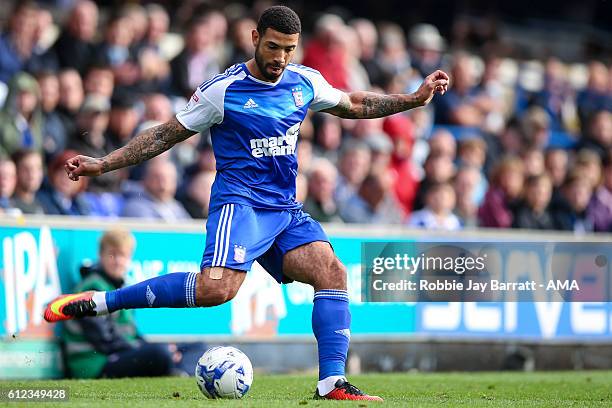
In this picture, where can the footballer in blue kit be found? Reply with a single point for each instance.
(253, 112)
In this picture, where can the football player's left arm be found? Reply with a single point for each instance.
(368, 105)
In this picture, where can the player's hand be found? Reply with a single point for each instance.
(434, 83)
(83, 166)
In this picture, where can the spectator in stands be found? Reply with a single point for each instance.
(533, 158)
(110, 346)
(438, 211)
(600, 208)
(99, 80)
(505, 190)
(196, 199)
(325, 51)
(157, 107)
(534, 211)
(63, 196)
(157, 200)
(354, 166)
(368, 42)
(442, 143)
(197, 62)
(71, 98)
(570, 213)
(75, 48)
(556, 161)
(242, 41)
(466, 183)
(598, 134)
(426, 45)
(463, 104)
(158, 22)
(90, 139)
(21, 119)
(374, 203)
(8, 181)
(596, 96)
(123, 119)
(115, 51)
(29, 167)
(18, 41)
(54, 133)
(405, 173)
(320, 203)
(535, 126)
(473, 153)
(381, 149)
(438, 169)
(556, 94)
(589, 163)
(393, 54)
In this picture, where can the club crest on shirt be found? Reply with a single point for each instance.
(297, 96)
(239, 253)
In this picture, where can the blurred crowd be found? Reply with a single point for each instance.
(513, 144)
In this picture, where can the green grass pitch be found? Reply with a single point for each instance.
(541, 389)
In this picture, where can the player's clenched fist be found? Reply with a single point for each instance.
(434, 83)
(83, 166)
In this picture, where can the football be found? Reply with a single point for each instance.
(224, 372)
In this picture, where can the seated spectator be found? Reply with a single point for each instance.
(21, 120)
(473, 153)
(327, 136)
(589, 163)
(29, 166)
(463, 104)
(90, 140)
(442, 142)
(116, 51)
(427, 46)
(63, 196)
(123, 119)
(596, 96)
(557, 94)
(197, 62)
(354, 166)
(157, 200)
(404, 171)
(467, 183)
(374, 203)
(8, 181)
(570, 213)
(17, 42)
(320, 202)
(438, 169)
(99, 80)
(533, 158)
(109, 346)
(534, 212)
(535, 127)
(54, 132)
(196, 199)
(600, 208)
(505, 189)
(75, 48)
(438, 211)
(71, 99)
(598, 133)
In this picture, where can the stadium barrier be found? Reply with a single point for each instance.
(40, 258)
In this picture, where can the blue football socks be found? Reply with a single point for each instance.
(331, 321)
(171, 290)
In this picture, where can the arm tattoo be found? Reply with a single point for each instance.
(146, 145)
(368, 105)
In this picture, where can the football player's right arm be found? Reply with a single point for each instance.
(147, 144)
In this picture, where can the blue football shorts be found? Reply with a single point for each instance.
(238, 235)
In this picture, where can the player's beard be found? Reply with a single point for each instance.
(263, 67)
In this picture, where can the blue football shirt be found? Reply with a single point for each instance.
(254, 127)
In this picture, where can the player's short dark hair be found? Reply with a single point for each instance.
(281, 19)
